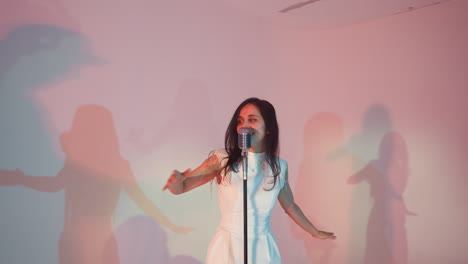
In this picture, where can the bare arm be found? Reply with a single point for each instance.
(286, 200)
(179, 183)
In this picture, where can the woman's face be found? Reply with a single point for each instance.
(250, 117)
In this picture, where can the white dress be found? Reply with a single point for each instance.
(227, 245)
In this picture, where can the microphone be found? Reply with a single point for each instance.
(243, 138)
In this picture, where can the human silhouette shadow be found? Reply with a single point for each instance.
(33, 57)
(361, 148)
(142, 241)
(386, 240)
(93, 176)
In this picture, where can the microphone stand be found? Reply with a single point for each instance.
(245, 166)
(244, 144)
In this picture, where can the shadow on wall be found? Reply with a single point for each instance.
(361, 148)
(386, 240)
(42, 53)
(320, 190)
(142, 241)
(92, 177)
(32, 57)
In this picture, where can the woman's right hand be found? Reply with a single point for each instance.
(175, 180)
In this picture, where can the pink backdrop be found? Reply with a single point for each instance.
(372, 120)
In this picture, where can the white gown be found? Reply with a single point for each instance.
(227, 245)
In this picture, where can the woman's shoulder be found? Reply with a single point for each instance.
(283, 164)
(219, 153)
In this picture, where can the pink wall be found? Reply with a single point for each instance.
(371, 115)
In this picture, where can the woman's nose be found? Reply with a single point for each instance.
(246, 123)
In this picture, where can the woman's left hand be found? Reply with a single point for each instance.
(324, 235)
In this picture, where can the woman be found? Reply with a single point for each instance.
(267, 182)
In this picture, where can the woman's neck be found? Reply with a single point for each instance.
(258, 148)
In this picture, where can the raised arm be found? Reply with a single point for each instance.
(183, 182)
(286, 200)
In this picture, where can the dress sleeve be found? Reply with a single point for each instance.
(221, 155)
(284, 173)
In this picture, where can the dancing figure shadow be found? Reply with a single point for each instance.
(386, 240)
(93, 176)
(33, 57)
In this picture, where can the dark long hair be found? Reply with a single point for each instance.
(271, 138)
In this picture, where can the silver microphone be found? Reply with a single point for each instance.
(243, 138)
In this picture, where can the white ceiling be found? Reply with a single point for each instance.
(327, 13)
